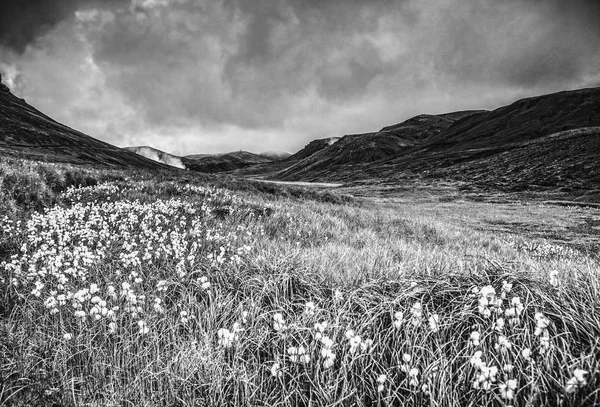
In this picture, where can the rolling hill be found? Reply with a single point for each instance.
(546, 143)
(25, 132)
(213, 163)
(329, 156)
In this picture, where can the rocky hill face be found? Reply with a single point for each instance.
(27, 133)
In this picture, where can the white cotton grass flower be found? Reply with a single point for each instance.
(143, 327)
(526, 353)
(508, 389)
(276, 370)
(413, 374)
(398, 319)
(554, 278)
(487, 375)
(502, 343)
(506, 287)
(366, 345)
(541, 323)
(381, 381)
(68, 336)
(354, 343)
(416, 312)
(183, 315)
(309, 309)
(499, 324)
(298, 354)
(226, 337)
(476, 360)
(204, 283)
(578, 380)
(319, 328)
(327, 353)
(474, 338)
(434, 323)
(278, 322)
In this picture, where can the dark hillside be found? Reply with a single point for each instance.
(25, 132)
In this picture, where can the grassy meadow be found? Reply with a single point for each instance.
(176, 289)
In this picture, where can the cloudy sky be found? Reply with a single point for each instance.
(194, 76)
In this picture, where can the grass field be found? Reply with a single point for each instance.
(143, 289)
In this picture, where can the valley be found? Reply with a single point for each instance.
(448, 260)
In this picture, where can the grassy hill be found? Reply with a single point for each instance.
(25, 132)
(213, 163)
(547, 144)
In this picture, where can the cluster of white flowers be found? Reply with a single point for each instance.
(578, 380)
(309, 309)
(327, 344)
(355, 342)
(381, 383)
(278, 322)
(66, 249)
(411, 371)
(416, 318)
(298, 354)
(488, 301)
(541, 331)
(226, 337)
(416, 314)
(486, 375)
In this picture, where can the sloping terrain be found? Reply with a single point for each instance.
(157, 155)
(328, 158)
(545, 143)
(27, 133)
(223, 162)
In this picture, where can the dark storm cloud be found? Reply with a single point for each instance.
(281, 72)
(519, 42)
(23, 21)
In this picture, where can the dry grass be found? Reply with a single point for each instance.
(360, 265)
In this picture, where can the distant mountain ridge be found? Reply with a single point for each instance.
(544, 143)
(324, 156)
(213, 163)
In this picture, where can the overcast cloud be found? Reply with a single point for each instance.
(195, 76)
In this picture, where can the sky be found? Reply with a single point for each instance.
(208, 76)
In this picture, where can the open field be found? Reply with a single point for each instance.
(121, 289)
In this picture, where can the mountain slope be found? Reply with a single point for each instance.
(157, 155)
(525, 120)
(324, 159)
(26, 132)
(223, 162)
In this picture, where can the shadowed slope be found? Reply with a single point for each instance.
(25, 132)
